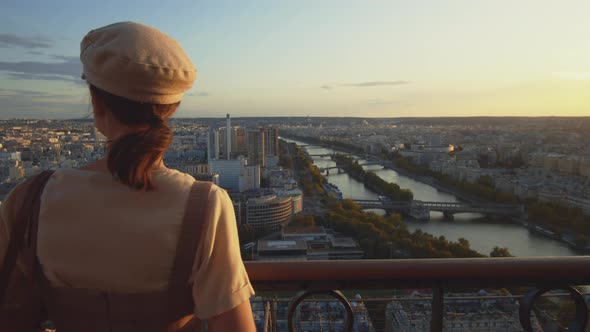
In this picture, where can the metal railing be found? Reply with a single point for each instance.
(540, 275)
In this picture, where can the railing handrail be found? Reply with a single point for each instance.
(403, 273)
(440, 275)
(419, 298)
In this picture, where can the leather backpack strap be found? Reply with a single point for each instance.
(32, 234)
(23, 235)
(195, 218)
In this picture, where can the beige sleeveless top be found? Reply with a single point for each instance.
(86, 219)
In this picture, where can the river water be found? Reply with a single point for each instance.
(482, 236)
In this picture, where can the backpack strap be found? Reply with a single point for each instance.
(23, 235)
(195, 218)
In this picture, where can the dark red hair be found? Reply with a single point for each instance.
(131, 157)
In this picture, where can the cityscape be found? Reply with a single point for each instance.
(392, 165)
(312, 189)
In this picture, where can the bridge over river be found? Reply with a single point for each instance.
(340, 169)
(421, 209)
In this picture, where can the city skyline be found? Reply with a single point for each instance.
(352, 58)
(296, 218)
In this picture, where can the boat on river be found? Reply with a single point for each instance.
(544, 231)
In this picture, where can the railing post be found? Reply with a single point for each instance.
(301, 296)
(268, 321)
(436, 322)
(528, 301)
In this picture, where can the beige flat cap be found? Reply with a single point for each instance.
(138, 62)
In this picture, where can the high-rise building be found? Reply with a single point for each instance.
(250, 178)
(239, 142)
(271, 138)
(213, 144)
(228, 135)
(256, 147)
(226, 139)
(223, 145)
(229, 172)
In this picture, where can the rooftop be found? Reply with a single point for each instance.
(303, 230)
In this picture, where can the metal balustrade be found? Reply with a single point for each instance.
(538, 274)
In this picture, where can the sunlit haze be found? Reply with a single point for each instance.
(319, 58)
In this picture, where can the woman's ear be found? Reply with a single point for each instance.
(99, 113)
(97, 105)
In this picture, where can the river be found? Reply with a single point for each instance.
(482, 236)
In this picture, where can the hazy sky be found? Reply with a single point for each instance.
(319, 57)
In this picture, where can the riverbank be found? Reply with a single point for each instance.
(380, 237)
(434, 183)
(391, 165)
(565, 239)
(371, 180)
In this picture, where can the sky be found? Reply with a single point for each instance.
(364, 58)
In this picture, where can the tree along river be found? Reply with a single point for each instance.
(482, 236)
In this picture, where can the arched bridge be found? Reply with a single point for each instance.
(327, 168)
(340, 168)
(461, 207)
(377, 204)
(421, 208)
(321, 155)
(370, 162)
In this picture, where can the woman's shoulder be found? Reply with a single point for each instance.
(16, 198)
(169, 183)
(184, 179)
(172, 178)
(164, 179)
